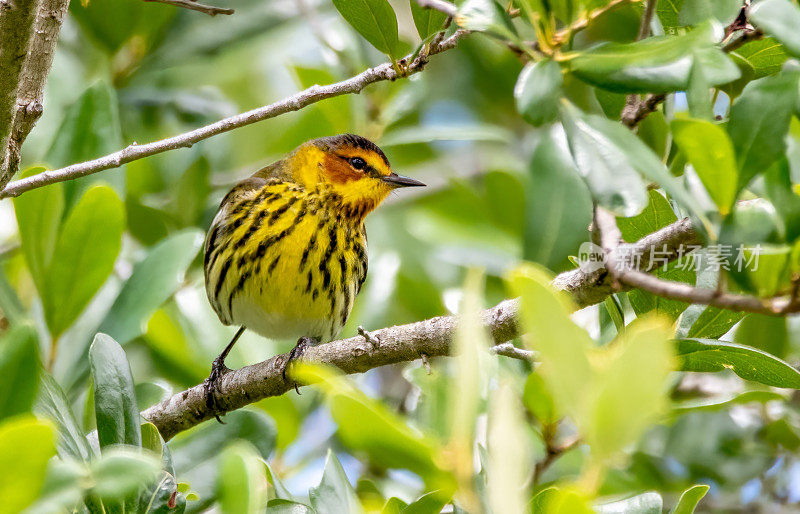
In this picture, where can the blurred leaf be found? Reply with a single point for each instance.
(781, 433)
(242, 482)
(163, 493)
(334, 494)
(26, 444)
(279, 506)
(287, 416)
(709, 355)
(368, 426)
(432, 502)
(689, 499)
(53, 404)
(427, 21)
(655, 65)
(191, 192)
(115, 23)
(279, 489)
(538, 400)
(668, 13)
(552, 233)
(611, 178)
(374, 20)
(538, 92)
(759, 121)
(172, 351)
(19, 371)
(446, 132)
(90, 129)
(114, 396)
(778, 18)
(716, 404)
(509, 458)
(62, 489)
(768, 333)
(486, 16)
(153, 280)
(646, 503)
(694, 12)
(711, 154)
(120, 471)
(85, 252)
(560, 501)
(38, 218)
(779, 191)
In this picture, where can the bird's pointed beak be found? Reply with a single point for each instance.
(395, 180)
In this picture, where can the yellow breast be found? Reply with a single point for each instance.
(285, 262)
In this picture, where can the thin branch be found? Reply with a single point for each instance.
(16, 31)
(439, 5)
(30, 93)
(620, 271)
(647, 19)
(403, 343)
(195, 6)
(509, 350)
(292, 103)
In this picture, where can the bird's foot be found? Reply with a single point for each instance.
(211, 385)
(297, 352)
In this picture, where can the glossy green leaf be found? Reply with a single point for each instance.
(780, 19)
(689, 499)
(708, 355)
(766, 56)
(655, 65)
(610, 177)
(153, 281)
(711, 154)
(19, 370)
(646, 503)
(374, 20)
(486, 16)
(334, 494)
(657, 215)
(52, 403)
(242, 482)
(114, 396)
(538, 92)
(712, 322)
(89, 241)
(552, 233)
(26, 445)
(121, 471)
(428, 21)
(759, 121)
(38, 215)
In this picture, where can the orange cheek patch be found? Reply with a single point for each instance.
(338, 171)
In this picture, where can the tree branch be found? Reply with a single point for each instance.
(195, 6)
(295, 102)
(440, 5)
(16, 30)
(47, 26)
(402, 343)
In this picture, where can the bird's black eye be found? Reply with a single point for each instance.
(357, 163)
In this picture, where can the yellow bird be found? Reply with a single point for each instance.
(286, 254)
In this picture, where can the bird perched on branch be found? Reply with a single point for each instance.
(286, 254)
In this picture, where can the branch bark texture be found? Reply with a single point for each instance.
(295, 102)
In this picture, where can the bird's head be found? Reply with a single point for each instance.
(349, 165)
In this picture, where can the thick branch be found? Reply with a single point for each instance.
(16, 29)
(292, 103)
(397, 344)
(47, 26)
(195, 6)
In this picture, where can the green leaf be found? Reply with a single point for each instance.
(655, 65)
(768, 333)
(694, 12)
(156, 499)
(280, 490)
(780, 19)
(553, 232)
(114, 396)
(643, 301)
(717, 405)
(486, 16)
(698, 93)
(242, 482)
(610, 177)
(427, 503)
(334, 494)
(115, 24)
(374, 20)
(84, 256)
(538, 400)
(19, 371)
(712, 322)
(668, 12)
(657, 215)
(766, 56)
(538, 92)
(153, 281)
(711, 154)
(689, 499)
(708, 355)
(780, 192)
(759, 121)
(556, 501)
(52, 403)
(26, 445)
(279, 506)
(121, 471)
(647, 503)
(427, 21)
(38, 218)
(90, 129)
(62, 489)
